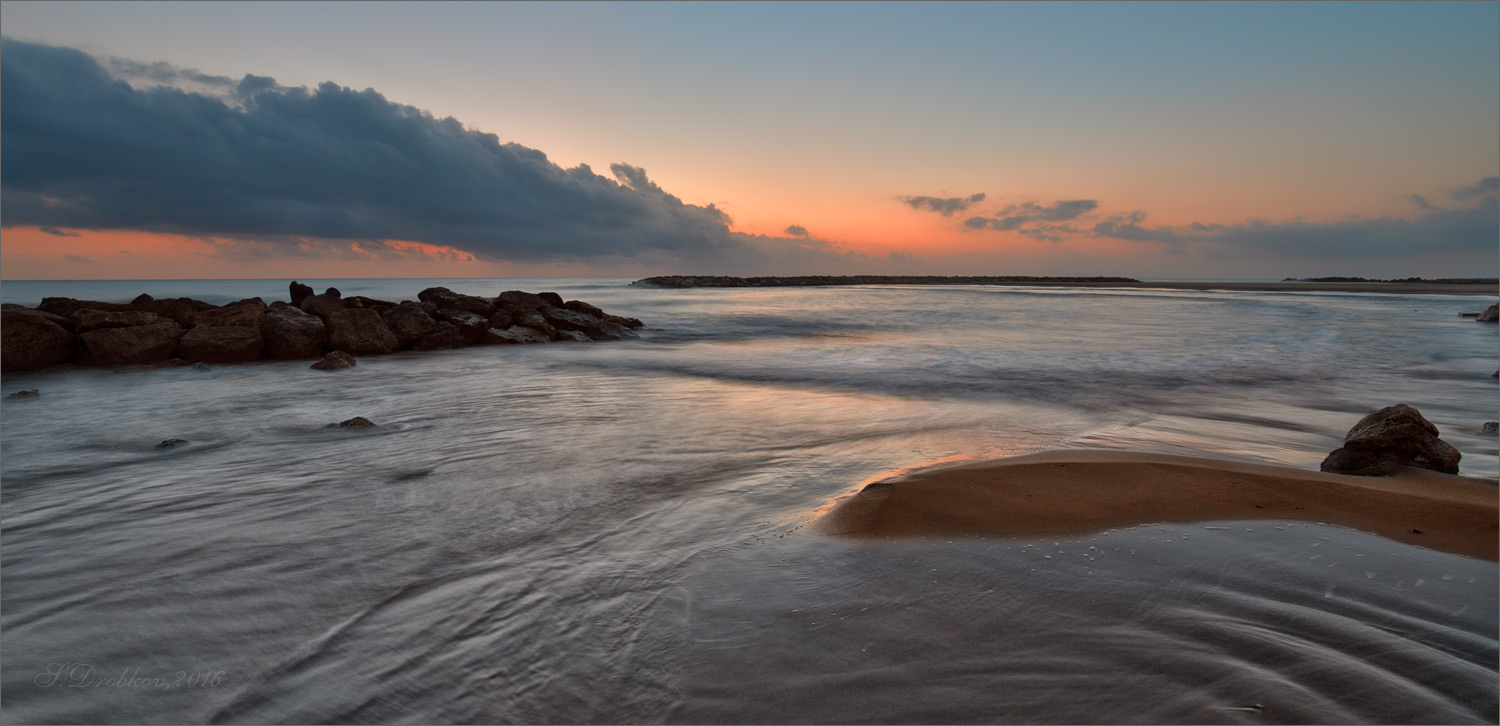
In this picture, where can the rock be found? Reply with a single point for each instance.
(1393, 436)
(1491, 314)
(502, 319)
(201, 366)
(321, 306)
(243, 314)
(429, 292)
(564, 319)
(141, 298)
(606, 330)
(290, 334)
(334, 361)
(87, 319)
(409, 321)
(299, 292)
(537, 322)
(358, 422)
(583, 307)
(443, 336)
(136, 345)
(1490, 427)
(470, 325)
(454, 301)
(221, 344)
(30, 340)
(516, 301)
(360, 331)
(631, 323)
(65, 306)
(360, 301)
(573, 336)
(333, 293)
(515, 334)
(182, 310)
(551, 298)
(169, 443)
(28, 393)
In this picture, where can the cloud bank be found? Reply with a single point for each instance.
(124, 145)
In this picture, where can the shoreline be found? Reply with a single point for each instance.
(1392, 288)
(1070, 492)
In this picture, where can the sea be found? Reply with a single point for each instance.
(621, 532)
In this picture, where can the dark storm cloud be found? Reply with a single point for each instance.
(163, 149)
(796, 230)
(946, 206)
(55, 232)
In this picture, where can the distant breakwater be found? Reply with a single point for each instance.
(824, 280)
(63, 331)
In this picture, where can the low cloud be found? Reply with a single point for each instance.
(946, 206)
(796, 230)
(330, 171)
(55, 232)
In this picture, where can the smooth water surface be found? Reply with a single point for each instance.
(617, 532)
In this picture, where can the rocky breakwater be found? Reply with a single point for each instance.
(147, 331)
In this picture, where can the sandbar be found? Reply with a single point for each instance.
(1081, 491)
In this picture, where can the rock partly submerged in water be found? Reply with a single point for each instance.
(335, 361)
(28, 393)
(1393, 436)
(1491, 314)
(358, 422)
(31, 339)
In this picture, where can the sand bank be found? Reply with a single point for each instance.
(1076, 492)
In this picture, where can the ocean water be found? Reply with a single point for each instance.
(618, 532)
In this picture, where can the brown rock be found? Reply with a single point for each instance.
(631, 323)
(221, 344)
(519, 302)
(358, 422)
(87, 319)
(606, 330)
(30, 340)
(443, 336)
(583, 307)
(513, 335)
(243, 314)
(136, 345)
(573, 336)
(502, 319)
(446, 299)
(321, 306)
(409, 321)
(360, 301)
(335, 361)
(551, 298)
(299, 292)
(333, 293)
(28, 393)
(360, 331)
(564, 319)
(65, 306)
(470, 325)
(1393, 436)
(182, 309)
(1491, 314)
(290, 334)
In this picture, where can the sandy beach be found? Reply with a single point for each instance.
(1074, 492)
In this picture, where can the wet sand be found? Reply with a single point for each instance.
(1075, 492)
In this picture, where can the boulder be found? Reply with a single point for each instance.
(87, 319)
(514, 334)
(551, 298)
(290, 334)
(445, 299)
(631, 323)
(358, 422)
(443, 336)
(299, 292)
(429, 292)
(182, 309)
(409, 321)
(321, 306)
(28, 393)
(537, 322)
(333, 293)
(516, 301)
(136, 345)
(606, 330)
(573, 336)
(221, 344)
(360, 331)
(564, 319)
(64, 306)
(335, 361)
(30, 340)
(1490, 427)
(470, 325)
(360, 301)
(1491, 314)
(141, 299)
(243, 314)
(1393, 436)
(583, 307)
(502, 319)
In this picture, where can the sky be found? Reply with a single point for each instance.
(1155, 140)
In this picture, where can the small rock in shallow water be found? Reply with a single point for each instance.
(28, 393)
(1490, 427)
(334, 361)
(358, 422)
(169, 443)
